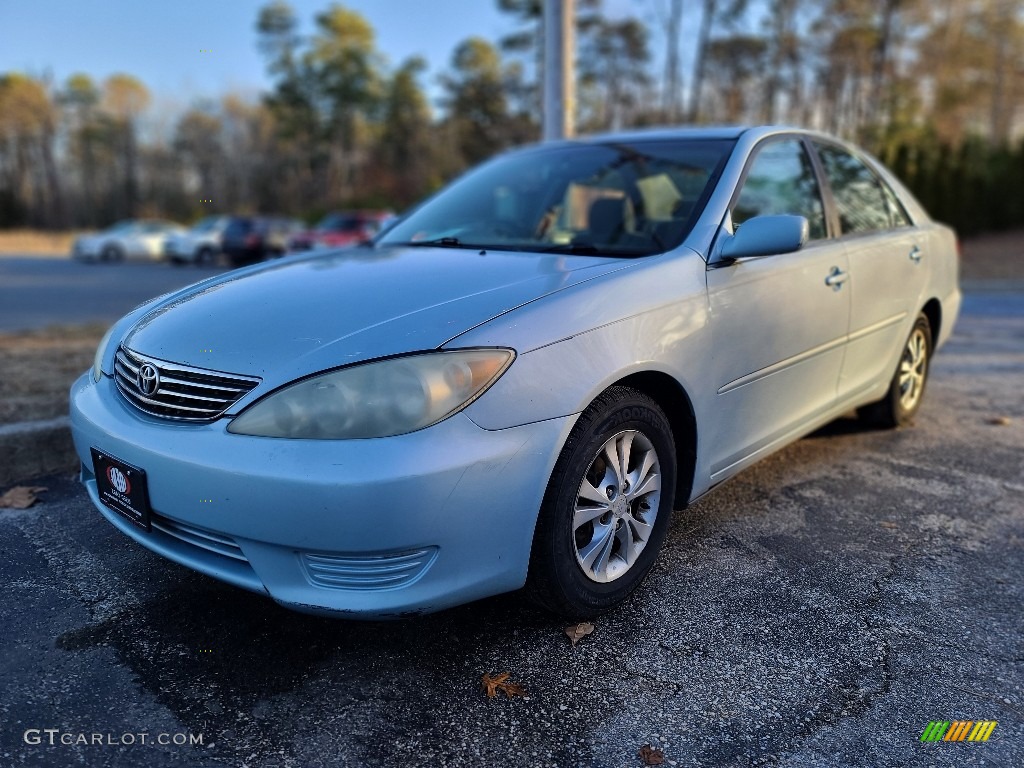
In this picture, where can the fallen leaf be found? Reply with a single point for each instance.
(490, 683)
(888, 524)
(578, 631)
(1000, 421)
(494, 683)
(651, 756)
(513, 689)
(21, 496)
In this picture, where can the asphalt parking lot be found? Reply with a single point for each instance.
(819, 610)
(44, 291)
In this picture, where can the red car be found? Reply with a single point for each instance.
(337, 230)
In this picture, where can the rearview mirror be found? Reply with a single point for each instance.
(767, 235)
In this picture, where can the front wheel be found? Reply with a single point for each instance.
(607, 506)
(906, 390)
(112, 253)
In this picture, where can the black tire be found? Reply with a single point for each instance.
(111, 253)
(557, 578)
(204, 257)
(903, 400)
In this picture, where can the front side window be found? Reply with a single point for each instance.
(781, 180)
(860, 199)
(615, 199)
(207, 225)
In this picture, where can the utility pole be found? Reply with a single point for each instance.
(673, 96)
(559, 119)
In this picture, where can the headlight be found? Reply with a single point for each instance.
(97, 360)
(390, 397)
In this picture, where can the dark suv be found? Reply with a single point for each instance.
(253, 238)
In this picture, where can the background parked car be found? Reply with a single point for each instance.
(200, 245)
(132, 238)
(337, 230)
(253, 238)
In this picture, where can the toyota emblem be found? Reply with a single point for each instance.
(148, 379)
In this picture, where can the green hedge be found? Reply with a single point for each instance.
(975, 186)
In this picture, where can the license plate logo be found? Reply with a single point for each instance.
(118, 480)
(122, 488)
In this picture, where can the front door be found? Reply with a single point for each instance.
(779, 323)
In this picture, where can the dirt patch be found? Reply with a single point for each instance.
(997, 256)
(38, 369)
(31, 242)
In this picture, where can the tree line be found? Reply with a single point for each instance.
(934, 87)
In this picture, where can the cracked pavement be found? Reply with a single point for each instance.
(818, 610)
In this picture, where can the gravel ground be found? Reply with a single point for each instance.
(818, 610)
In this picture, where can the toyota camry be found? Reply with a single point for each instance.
(518, 382)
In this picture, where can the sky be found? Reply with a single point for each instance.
(164, 43)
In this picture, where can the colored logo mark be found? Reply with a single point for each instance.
(959, 730)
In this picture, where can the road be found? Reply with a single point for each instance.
(36, 292)
(818, 610)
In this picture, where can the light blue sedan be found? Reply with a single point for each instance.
(518, 382)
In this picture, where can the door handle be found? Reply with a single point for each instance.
(836, 278)
(916, 254)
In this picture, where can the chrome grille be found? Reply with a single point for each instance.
(189, 394)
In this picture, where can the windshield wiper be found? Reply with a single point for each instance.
(441, 242)
(572, 248)
(588, 249)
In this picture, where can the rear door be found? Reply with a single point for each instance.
(779, 322)
(887, 257)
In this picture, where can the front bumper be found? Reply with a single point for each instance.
(365, 528)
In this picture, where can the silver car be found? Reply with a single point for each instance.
(129, 239)
(200, 245)
(519, 381)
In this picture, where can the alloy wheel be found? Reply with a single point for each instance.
(913, 369)
(616, 506)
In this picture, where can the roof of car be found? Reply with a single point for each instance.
(671, 132)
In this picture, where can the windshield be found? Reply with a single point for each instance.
(337, 222)
(609, 199)
(207, 225)
(123, 226)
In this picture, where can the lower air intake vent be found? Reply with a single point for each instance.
(367, 571)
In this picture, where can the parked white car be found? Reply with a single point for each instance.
(131, 239)
(200, 245)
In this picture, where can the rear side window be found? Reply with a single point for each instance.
(897, 213)
(781, 179)
(860, 198)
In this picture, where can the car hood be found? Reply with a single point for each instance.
(305, 314)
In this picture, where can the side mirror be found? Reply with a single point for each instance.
(766, 236)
